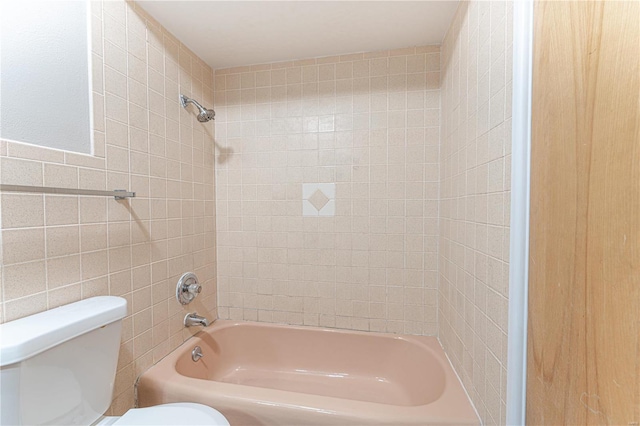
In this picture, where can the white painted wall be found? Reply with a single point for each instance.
(44, 74)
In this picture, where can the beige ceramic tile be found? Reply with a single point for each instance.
(22, 210)
(25, 306)
(20, 172)
(22, 245)
(60, 176)
(23, 279)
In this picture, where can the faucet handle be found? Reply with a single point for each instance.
(196, 354)
(187, 288)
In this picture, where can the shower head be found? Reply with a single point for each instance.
(204, 114)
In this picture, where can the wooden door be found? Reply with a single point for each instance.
(584, 281)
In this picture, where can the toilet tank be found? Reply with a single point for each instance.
(58, 367)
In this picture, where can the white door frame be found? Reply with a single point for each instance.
(519, 237)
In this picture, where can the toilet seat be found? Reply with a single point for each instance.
(183, 413)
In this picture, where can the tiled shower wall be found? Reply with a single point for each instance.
(361, 253)
(475, 160)
(58, 249)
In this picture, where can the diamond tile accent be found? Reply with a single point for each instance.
(318, 199)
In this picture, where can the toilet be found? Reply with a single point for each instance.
(58, 367)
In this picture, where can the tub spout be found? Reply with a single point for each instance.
(195, 319)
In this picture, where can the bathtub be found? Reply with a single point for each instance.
(266, 374)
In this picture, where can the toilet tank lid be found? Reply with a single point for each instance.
(25, 337)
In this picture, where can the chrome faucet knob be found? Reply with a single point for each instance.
(196, 354)
(187, 288)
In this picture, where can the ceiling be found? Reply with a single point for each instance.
(234, 33)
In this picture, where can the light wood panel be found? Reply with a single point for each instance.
(584, 294)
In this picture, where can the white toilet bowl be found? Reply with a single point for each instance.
(182, 413)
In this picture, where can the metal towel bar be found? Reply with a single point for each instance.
(118, 194)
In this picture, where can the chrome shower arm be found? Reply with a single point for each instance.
(184, 101)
